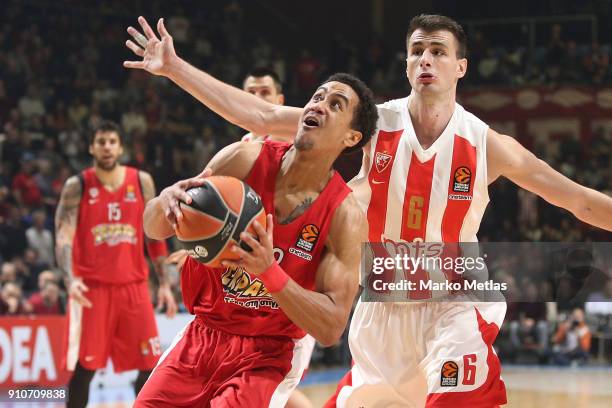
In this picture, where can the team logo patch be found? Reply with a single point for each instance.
(382, 161)
(93, 192)
(308, 237)
(462, 179)
(449, 374)
(130, 195)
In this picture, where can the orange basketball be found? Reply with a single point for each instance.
(220, 210)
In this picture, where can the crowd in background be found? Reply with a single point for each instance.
(61, 73)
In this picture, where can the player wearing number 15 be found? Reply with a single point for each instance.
(100, 247)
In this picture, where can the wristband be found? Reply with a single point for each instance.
(274, 278)
(156, 249)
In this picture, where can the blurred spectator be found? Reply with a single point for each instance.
(47, 301)
(307, 71)
(528, 325)
(40, 238)
(572, 341)
(8, 273)
(596, 63)
(11, 300)
(31, 104)
(25, 188)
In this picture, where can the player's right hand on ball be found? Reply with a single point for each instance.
(157, 55)
(170, 196)
(76, 289)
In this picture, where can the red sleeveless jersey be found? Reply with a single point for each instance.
(236, 301)
(108, 246)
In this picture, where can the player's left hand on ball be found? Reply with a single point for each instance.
(166, 298)
(261, 256)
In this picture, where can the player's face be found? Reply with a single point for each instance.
(326, 121)
(264, 88)
(106, 150)
(432, 64)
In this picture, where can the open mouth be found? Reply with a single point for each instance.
(311, 121)
(426, 75)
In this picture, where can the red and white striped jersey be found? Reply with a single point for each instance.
(437, 194)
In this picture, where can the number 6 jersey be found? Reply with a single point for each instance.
(437, 194)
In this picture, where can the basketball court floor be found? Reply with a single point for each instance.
(528, 387)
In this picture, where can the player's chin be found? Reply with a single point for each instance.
(304, 141)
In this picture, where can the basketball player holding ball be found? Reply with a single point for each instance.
(99, 246)
(424, 177)
(245, 347)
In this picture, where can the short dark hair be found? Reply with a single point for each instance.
(435, 22)
(366, 113)
(105, 126)
(261, 72)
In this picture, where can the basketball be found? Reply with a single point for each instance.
(220, 210)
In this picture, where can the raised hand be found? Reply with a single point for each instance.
(157, 55)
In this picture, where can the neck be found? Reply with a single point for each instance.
(430, 114)
(111, 178)
(305, 170)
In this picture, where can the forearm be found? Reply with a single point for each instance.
(234, 105)
(595, 208)
(156, 226)
(63, 254)
(313, 312)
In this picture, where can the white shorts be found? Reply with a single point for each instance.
(436, 354)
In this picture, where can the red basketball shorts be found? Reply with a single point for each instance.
(120, 325)
(433, 355)
(206, 367)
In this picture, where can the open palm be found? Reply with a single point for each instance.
(156, 54)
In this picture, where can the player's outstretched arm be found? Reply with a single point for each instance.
(506, 157)
(66, 217)
(322, 313)
(233, 104)
(163, 211)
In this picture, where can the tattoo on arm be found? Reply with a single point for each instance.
(148, 186)
(66, 218)
(297, 211)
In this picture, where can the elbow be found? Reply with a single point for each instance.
(331, 337)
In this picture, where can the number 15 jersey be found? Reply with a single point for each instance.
(108, 244)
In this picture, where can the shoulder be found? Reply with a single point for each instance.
(73, 184)
(468, 117)
(236, 160)
(391, 114)
(144, 177)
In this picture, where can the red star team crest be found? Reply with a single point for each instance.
(382, 160)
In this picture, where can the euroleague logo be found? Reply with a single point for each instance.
(462, 179)
(308, 237)
(449, 374)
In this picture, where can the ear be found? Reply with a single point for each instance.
(353, 137)
(281, 99)
(461, 67)
(91, 149)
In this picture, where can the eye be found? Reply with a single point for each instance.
(416, 52)
(336, 105)
(317, 98)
